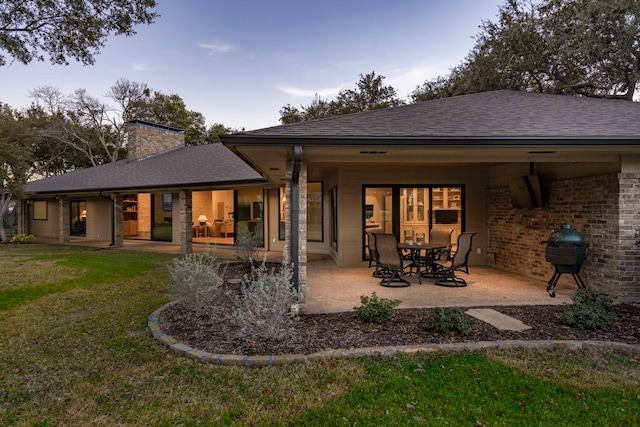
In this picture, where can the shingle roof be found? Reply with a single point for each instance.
(201, 165)
(488, 115)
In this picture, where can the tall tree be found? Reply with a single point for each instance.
(16, 137)
(62, 29)
(170, 110)
(215, 130)
(576, 47)
(84, 123)
(370, 93)
(97, 130)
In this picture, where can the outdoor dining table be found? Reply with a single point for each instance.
(415, 251)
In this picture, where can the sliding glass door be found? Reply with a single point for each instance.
(412, 212)
(78, 225)
(249, 213)
(377, 212)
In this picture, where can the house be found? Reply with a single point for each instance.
(511, 166)
(164, 191)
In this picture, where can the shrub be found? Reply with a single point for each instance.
(196, 278)
(449, 319)
(22, 238)
(246, 247)
(590, 310)
(376, 310)
(263, 310)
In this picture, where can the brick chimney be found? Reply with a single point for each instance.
(145, 139)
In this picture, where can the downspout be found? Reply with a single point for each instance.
(295, 214)
(113, 219)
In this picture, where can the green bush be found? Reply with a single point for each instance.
(196, 278)
(376, 310)
(590, 310)
(22, 238)
(449, 319)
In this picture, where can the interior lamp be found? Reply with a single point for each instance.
(202, 219)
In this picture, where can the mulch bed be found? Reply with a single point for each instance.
(316, 332)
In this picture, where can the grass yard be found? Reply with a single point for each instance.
(74, 351)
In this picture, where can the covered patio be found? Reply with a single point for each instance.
(334, 289)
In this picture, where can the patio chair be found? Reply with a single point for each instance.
(371, 246)
(441, 236)
(445, 270)
(389, 260)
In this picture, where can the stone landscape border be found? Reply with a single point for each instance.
(264, 361)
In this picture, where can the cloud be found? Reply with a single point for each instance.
(143, 67)
(309, 93)
(406, 80)
(216, 47)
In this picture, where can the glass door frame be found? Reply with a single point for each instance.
(78, 218)
(396, 208)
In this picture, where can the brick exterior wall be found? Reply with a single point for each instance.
(605, 209)
(185, 208)
(145, 139)
(118, 235)
(64, 226)
(302, 229)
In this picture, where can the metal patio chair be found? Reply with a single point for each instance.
(390, 261)
(441, 236)
(445, 270)
(371, 246)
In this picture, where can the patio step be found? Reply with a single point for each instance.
(497, 319)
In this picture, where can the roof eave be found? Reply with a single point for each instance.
(452, 141)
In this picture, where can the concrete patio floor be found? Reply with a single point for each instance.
(334, 289)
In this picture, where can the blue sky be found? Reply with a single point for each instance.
(238, 62)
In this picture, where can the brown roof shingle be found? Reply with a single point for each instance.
(488, 115)
(184, 167)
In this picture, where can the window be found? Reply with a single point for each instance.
(249, 213)
(40, 209)
(413, 211)
(315, 212)
(334, 218)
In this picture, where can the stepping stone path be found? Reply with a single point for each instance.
(497, 319)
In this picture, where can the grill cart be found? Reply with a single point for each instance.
(566, 250)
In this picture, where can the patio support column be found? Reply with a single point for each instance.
(63, 220)
(185, 207)
(118, 237)
(296, 229)
(23, 216)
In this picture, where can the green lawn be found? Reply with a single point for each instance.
(74, 351)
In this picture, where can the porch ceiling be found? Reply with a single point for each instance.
(271, 160)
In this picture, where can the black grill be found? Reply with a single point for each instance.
(567, 251)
